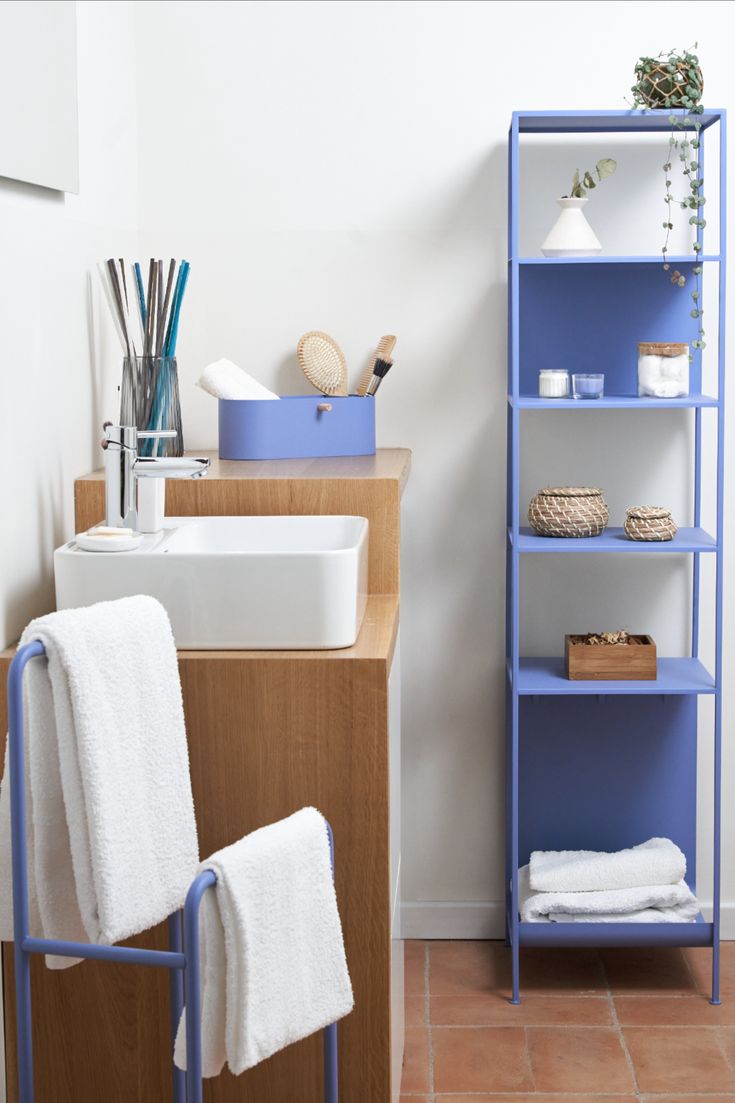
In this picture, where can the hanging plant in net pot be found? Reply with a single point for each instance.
(674, 80)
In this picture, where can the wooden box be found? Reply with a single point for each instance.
(625, 662)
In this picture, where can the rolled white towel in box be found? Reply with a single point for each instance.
(272, 956)
(655, 862)
(644, 904)
(223, 379)
(112, 842)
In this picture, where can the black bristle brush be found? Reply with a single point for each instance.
(380, 370)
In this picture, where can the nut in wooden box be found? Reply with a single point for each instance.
(633, 661)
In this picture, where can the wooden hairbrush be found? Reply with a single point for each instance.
(322, 362)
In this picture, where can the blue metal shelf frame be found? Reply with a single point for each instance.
(680, 679)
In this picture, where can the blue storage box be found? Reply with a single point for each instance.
(296, 427)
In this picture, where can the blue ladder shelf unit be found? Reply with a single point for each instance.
(638, 776)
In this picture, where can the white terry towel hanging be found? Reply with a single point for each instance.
(655, 862)
(644, 904)
(272, 956)
(223, 379)
(112, 842)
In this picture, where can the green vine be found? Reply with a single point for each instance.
(675, 80)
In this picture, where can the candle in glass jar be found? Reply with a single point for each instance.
(588, 385)
(553, 384)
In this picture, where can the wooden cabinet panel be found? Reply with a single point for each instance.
(267, 734)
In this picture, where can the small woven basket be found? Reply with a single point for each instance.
(649, 523)
(568, 511)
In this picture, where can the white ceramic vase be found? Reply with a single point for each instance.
(571, 235)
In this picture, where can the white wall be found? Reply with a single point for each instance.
(58, 368)
(343, 166)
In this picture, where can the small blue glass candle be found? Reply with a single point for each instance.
(588, 386)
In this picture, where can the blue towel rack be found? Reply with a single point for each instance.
(182, 958)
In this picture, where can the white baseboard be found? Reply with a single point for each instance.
(464, 919)
(486, 919)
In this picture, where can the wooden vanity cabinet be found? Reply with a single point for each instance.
(268, 733)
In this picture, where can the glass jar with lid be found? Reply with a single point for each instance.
(663, 369)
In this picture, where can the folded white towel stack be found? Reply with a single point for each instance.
(272, 956)
(112, 843)
(644, 904)
(223, 379)
(655, 862)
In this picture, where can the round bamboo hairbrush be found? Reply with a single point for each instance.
(322, 362)
(382, 352)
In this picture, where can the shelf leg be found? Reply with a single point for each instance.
(720, 563)
(515, 934)
(716, 974)
(516, 991)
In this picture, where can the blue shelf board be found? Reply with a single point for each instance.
(585, 122)
(537, 677)
(690, 258)
(615, 540)
(613, 402)
(698, 933)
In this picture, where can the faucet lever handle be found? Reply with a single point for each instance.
(155, 434)
(123, 436)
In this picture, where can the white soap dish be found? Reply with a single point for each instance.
(102, 539)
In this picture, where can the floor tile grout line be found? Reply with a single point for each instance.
(427, 1005)
(723, 1049)
(529, 1061)
(585, 1026)
(573, 994)
(619, 1029)
(430, 1036)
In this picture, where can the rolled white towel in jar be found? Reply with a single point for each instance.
(223, 379)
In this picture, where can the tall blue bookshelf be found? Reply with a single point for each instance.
(605, 765)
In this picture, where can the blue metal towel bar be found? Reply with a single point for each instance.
(182, 958)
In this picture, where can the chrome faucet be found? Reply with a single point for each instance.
(124, 467)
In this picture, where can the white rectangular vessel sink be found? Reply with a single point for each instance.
(236, 582)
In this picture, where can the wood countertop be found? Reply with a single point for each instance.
(387, 463)
(376, 641)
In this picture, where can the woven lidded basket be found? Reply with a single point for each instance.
(568, 511)
(649, 523)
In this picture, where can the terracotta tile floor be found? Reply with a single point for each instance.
(593, 1027)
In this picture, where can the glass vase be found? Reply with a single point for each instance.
(149, 399)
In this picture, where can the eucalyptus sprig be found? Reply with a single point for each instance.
(675, 80)
(604, 167)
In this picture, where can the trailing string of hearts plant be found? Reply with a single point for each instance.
(675, 80)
